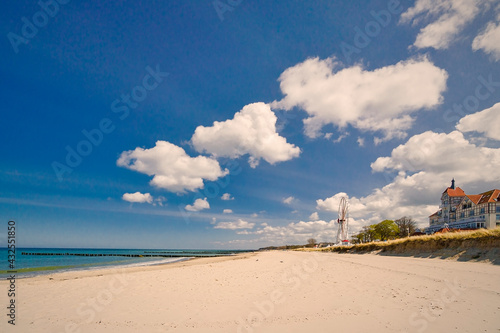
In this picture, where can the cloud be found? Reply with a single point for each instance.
(138, 197)
(252, 131)
(421, 169)
(440, 153)
(240, 224)
(361, 141)
(314, 216)
(172, 169)
(486, 122)
(199, 204)
(288, 200)
(295, 232)
(227, 211)
(384, 203)
(374, 101)
(448, 18)
(356, 208)
(341, 137)
(159, 201)
(489, 40)
(227, 196)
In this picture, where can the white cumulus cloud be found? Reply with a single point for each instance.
(296, 232)
(288, 200)
(199, 204)
(314, 216)
(240, 224)
(227, 211)
(356, 208)
(375, 101)
(138, 197)
(446, 20)
(486, 122)
(441, 153)
(252, 131)
(421, 169)
(489, 40)
(361, 142)
(172, 169)
(227, 196)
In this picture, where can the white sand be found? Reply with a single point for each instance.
(266, 292)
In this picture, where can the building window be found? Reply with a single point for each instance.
(498, 217)
(471, 213)
(483, 210)
(462, 215)
(498, 209)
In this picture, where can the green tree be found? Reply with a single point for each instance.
(369, 234)
(357, 238)
(387, 229)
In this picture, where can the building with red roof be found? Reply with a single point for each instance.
(460, 211)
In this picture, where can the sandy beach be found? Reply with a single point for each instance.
(265, 292)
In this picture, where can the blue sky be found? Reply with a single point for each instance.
(238, 124)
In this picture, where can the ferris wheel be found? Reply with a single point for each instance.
(343, 221)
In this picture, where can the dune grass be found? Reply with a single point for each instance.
(481, 239)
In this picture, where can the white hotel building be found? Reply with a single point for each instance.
(466, 211)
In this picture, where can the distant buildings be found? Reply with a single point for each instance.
(466, 211)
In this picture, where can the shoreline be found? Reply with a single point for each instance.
(33, 262)
(33, 272)
(128, 268)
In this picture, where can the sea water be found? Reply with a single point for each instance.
(32, 265)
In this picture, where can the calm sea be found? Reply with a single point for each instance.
(37, 261)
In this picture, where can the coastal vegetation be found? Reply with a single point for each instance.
(475, 244)
(386, 230)
(401, 237)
